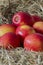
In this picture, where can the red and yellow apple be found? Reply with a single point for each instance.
(22, 18)
(9, 40)
(34, 42)
(38, 26)
(5, 28)
(24, 30)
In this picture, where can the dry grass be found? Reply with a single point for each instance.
(9, 7)
(20, 56)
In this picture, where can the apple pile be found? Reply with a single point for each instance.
(26, 31)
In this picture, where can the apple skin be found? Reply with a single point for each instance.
(36, 18)
(24, 30)
(34, 42)
(38, 26)
(5, 28)
(21, 18)
(9, 40)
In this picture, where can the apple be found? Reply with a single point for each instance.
(34, 42)
(36, 18)
(24, 30)
(9, 40)
(21, 18)
(38, 26)
(5, 28)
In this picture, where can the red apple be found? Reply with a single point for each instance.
(9, 40)
(38, 26)
(5, 28)
(21, 18)
(24, 30)
(34, 42)
(36, 18)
